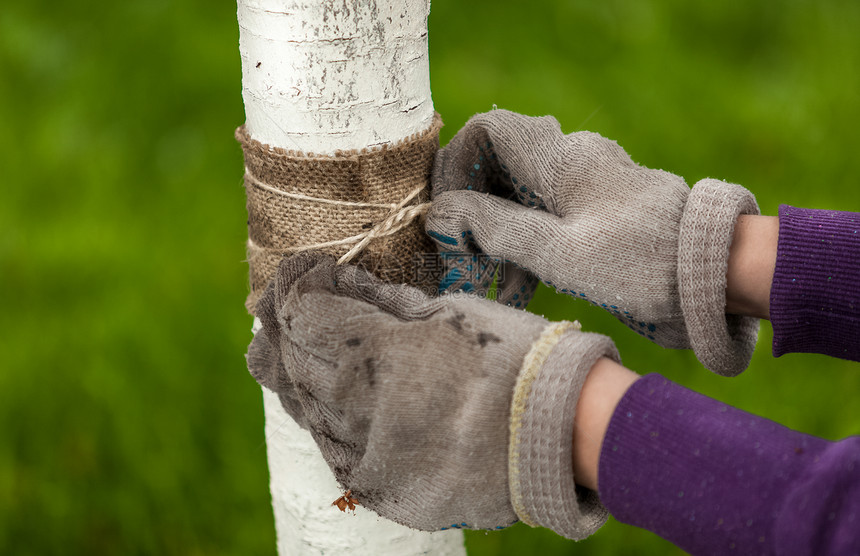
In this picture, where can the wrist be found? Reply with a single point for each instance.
(605, 385)
(752, 258)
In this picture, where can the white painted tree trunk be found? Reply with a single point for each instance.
(321, 76)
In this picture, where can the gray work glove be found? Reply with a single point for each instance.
(576, 211)
(435, 412)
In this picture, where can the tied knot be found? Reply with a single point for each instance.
(340, 204)
(400, 215)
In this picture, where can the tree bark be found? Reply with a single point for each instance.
(323, 76)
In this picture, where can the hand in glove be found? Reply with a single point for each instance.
(576, 211)
(436, 412)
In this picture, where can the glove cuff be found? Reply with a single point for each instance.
(723, 343)
(540, 458)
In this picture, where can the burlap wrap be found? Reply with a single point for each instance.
(277, 224)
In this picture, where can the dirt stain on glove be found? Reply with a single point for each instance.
(485, 338)
(457, 321)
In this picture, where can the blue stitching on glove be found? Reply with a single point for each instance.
(439, 237)
(465, 526)
(450, 279)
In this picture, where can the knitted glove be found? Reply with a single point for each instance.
(592, 223)
(434, 412)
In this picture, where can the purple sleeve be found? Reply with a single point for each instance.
(815, 296)
(716, 480)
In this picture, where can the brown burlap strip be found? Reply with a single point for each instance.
(364, 188)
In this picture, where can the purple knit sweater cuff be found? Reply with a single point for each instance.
(815, 296)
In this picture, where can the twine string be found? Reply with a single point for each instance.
(398, 218)
(299, 196)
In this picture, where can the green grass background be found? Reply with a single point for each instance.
(128, 424)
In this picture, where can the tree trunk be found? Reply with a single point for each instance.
(323, 76)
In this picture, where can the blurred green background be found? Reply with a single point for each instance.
(128, 424)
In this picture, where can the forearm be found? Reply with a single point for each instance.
(713, 479)
(709, 477)
(752, 258)
(801, 270)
